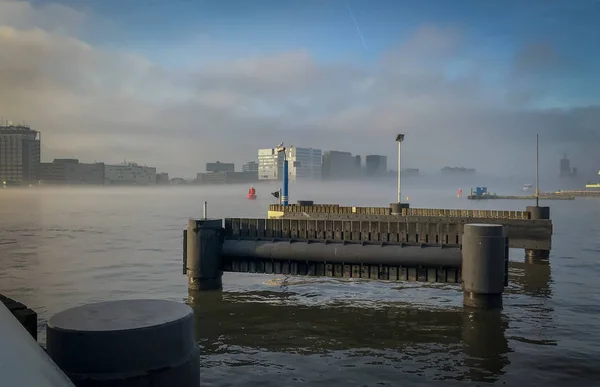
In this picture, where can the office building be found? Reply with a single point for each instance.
(375, 165)
(250, 166)
(162, 178)
(71, 171)
(19, 155)
(338, 165)
(565, 168)
(304, 163)
(129, 174)
(220, 167)
(270, 164)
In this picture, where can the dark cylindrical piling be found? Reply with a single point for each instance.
(396, 208)
(129, 343)
(204, 244)
(537, 213)
(483, 266)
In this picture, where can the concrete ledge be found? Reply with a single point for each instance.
(23, 362)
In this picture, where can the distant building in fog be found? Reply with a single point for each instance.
(339, 165)
(270, 164)
(565, 168)
(220, 167)
(227, 177)
(410, 172)
(71, 171)
(457, 171)
(304, 163)
(162, 178)
(250, 166)
(376, 165)
(129, 174)
(19, 154)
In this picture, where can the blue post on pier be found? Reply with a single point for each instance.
(284, 191)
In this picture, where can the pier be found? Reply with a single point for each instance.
(546, 196)
(530, 229)
(346, 249)
(579, 193)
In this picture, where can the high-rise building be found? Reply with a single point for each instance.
(565, 168)
(270, 164)
(19, 155)
(250, 166)
(376, 165)
(220, 167)
(338, 165)
(304, 163)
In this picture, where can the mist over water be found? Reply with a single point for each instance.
(63, 247)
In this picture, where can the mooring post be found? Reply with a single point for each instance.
(396, 208)
(204, 245)
(127, 343)
(537, 213)
(483, 265)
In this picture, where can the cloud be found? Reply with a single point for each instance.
(101, 104)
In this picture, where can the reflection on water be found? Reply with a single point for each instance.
(459, 344)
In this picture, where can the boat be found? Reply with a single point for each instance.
(526, 187)
(251, 193)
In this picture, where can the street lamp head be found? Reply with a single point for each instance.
(400, 137)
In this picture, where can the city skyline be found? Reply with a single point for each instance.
(469, 83)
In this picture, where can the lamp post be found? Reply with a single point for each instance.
(399, 139)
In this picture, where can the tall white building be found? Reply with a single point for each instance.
(129, 174)
(270, 164)
(304, 163)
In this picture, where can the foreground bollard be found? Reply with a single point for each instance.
(129, 343)
(483, 265)
(204, 245)
(537, 213)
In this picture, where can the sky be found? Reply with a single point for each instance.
(175, 84)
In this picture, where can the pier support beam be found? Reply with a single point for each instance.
(128, 343)
(204, 244)
(537, 213)
(396, 208)
(483, 265)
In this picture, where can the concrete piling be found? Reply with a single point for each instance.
(204, 245)
(128, 343)
(483, 265)
(537, 213)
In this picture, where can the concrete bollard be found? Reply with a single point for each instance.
(537, 213)
(483, 265)
(204, 245)
(129, 343)
(396, 208)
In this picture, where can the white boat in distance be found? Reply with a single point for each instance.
(526, 187)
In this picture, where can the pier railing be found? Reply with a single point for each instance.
(436, 212)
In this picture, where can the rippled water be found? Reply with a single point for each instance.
(64, 247)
